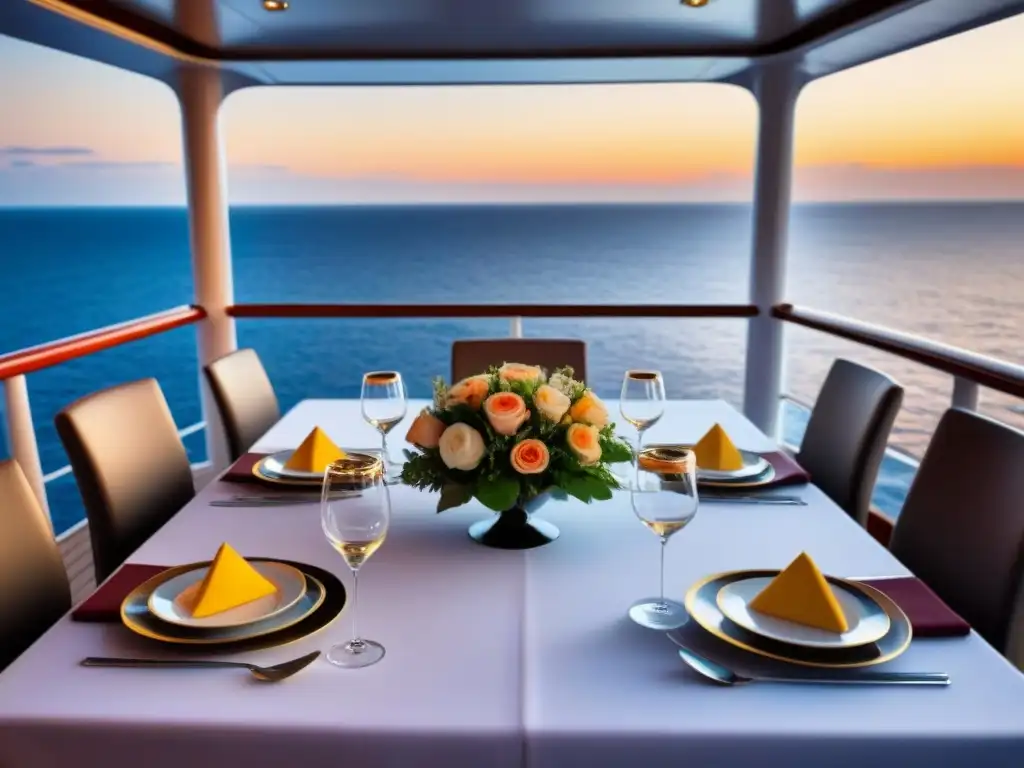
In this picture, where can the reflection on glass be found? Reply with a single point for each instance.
(643, 401)
(665, 504)
(355, 524)
(383, 403)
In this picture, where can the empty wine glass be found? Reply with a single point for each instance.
(665, 504)
(383, 403)
(642, 402)
(355, 525)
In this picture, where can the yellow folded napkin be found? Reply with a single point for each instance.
(229, 583)
(715, 451)
(315, 453)
(801, 594)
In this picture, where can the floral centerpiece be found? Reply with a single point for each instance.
(511, 436)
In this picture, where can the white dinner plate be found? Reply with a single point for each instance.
(868, 622)
(172, 600)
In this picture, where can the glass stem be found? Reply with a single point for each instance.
(356, 641)
(664, 541)
(384, 458)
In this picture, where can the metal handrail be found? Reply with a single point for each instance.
(965, 365)
(490, 310)
(32, 359)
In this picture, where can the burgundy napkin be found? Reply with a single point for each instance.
(241, 470)
(105, 603)
(929, 616)
(787, 471)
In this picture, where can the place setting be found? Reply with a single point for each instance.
(790, 625)
(296, 475)
(233, 604)
(230, 604)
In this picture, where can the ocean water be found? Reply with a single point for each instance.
(952, 272)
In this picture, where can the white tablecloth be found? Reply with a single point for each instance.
(499, 658)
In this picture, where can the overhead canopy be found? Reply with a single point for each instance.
(489, 41)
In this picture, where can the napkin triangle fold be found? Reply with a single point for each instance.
(801, 594)
(315, 453)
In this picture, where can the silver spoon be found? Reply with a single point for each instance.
(725, 676)
(272, 674)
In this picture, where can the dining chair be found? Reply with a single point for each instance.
(245, 398)
(961, 529)
(33, 581)
(130, 465)
(472, 356)
(847, 433)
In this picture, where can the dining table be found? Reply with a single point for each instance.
(504, 657)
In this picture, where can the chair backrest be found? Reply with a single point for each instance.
(245, 398)
(33, 581)
(130, 465)
(961, 529)
(472, 356)
(847, 434)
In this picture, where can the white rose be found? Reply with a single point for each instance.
(461, 447)
(551, 403)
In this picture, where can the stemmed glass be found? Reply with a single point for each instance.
(355, 525)
(642, 402)
(383, 402)
(665, 504)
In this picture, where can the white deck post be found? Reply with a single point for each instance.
(776, 88)
(21, 437)
(200, 93)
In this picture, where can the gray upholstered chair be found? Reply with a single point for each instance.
(472, 356)
(130, 465)
(34, 589)
(245, 398)
(847, 434)
(961, 529)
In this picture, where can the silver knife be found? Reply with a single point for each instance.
(786, 500)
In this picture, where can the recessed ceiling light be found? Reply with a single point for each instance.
(695, 3)
(275, 5)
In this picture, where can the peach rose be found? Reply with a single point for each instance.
(520, 372)
(551, 403)
(589, 409)
(584, 442)
(471, 391)
(425, 431)
(506, 411)
(461, 447)
(530, 457)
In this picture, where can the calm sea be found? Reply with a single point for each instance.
(953, 272)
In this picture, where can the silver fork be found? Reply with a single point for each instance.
(272, 674)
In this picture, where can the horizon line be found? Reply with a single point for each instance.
(524, 204)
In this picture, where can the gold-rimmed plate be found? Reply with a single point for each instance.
(172, 599)
(764, 478)
(268, 469)
(702, 605)
(323, 601)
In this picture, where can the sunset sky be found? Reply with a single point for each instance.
(945, 120)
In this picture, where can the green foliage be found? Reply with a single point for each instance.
(498, 493)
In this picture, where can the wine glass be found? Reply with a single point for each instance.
(355, 524)
(665, 504)
(642, 402)
(383, 402)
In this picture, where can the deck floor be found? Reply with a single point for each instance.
(76, 549)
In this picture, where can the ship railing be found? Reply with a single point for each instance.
(15, 366)
(970, 371)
